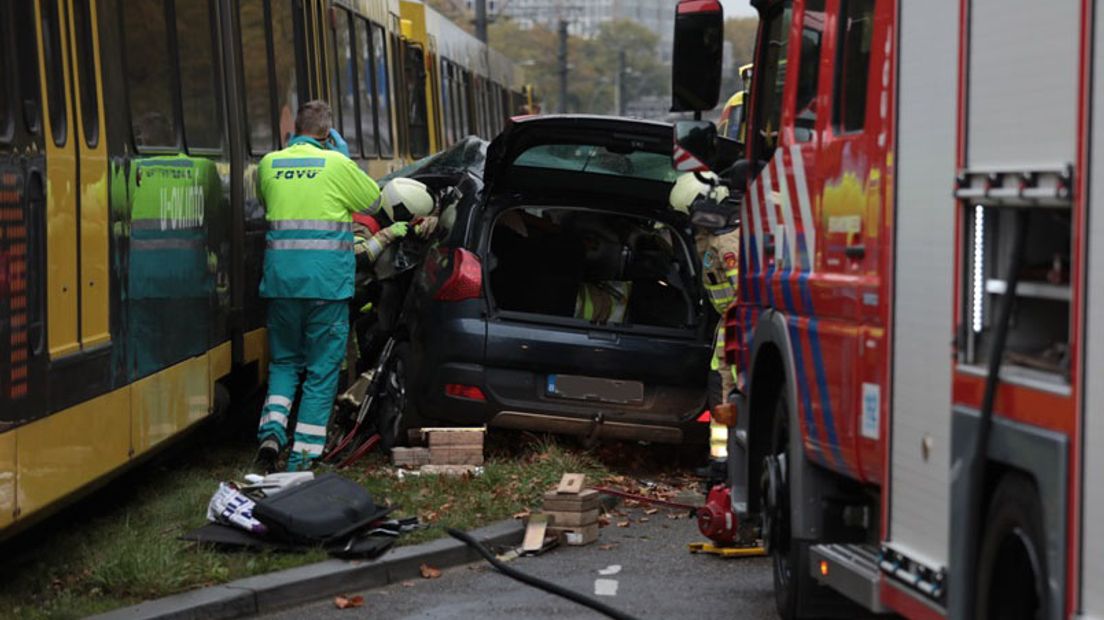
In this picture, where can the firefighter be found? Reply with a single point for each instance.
(720, 251)
(310, 191)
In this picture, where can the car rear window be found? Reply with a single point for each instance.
(599, 160)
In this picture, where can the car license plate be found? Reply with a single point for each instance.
(595, 389)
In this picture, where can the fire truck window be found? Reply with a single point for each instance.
(812, 33)
(772, 79)
(853, 64)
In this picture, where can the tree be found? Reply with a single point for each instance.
(593, 63)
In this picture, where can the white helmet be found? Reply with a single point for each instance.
(405, 199)
(689, 188)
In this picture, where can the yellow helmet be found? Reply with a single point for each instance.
(689, 188)
(405, 199)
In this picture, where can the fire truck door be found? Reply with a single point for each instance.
(1092, 519)
(919, 455)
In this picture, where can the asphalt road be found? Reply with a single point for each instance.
(655, 575)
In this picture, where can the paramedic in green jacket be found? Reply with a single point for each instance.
(310, 191)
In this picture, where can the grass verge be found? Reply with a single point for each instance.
(122, 547)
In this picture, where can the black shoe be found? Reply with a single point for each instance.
(267, 455)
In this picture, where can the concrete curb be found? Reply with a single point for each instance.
(265, 593)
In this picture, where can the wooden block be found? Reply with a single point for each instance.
(455, 437)
(456, 455)
(577, 536)
(571, 483)
(534, 533)
(581, 502)
(410, 457)
(573, 519)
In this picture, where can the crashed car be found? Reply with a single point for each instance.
(562, 293)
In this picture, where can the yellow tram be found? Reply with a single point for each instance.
(130, 236)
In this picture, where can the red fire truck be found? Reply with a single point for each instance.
(914, 330)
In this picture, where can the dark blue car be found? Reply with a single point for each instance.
(563, 294)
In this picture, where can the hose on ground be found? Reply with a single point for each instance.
(537, 582)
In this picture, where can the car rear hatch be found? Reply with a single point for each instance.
(591, 280)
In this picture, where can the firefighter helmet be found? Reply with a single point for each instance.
(405, 199)
(689, 188)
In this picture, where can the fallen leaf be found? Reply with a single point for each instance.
(523, 514)
(643, 519)
(408, 584)
(622, 524)
(608, 547)
(342, 602)
(603, 521)
(651, 511)
(428, 572)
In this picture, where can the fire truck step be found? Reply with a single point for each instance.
(849, 569)
(727, 552)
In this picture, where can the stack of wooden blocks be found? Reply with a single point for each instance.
(455, 446)
(572, 511)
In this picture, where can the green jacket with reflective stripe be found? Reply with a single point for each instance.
(309, 195)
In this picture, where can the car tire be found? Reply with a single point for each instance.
(399, 413)
(785, 556)
(1012, 572)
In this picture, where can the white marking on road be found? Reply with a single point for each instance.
(612, 569)
(605, 587)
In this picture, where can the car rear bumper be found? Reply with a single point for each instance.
(516, 399)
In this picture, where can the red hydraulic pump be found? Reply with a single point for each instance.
(716, 519)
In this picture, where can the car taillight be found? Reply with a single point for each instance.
(469, 392)
(466, 279)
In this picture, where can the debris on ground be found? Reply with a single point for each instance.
(348, 602)
(229, 506)
(299, 513)
(429, 572)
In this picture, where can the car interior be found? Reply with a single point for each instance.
(603, 268)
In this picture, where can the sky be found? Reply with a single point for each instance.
(738, 8)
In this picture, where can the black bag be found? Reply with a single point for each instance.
(327, 508)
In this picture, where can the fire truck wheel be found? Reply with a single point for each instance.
(1012, 573)
(776, 495)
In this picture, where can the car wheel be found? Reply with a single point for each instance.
(397, 414)
(1012, 572)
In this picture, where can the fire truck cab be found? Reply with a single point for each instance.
(921, 310)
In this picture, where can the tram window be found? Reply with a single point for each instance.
(418, 116)
(366, 89)
(466, 117)
(55, 84)
(446, 103)
(27, 47)
(148, 72)
(7, 86)
(287, 62)
(345, 79)
(90, 112)
(808, 71)
(383, 96)
(853, 65)
(199, 90)
(255, 72)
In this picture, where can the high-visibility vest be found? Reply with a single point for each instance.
(720, 267)
(170, 198)
(310, 194)
(603, 302)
